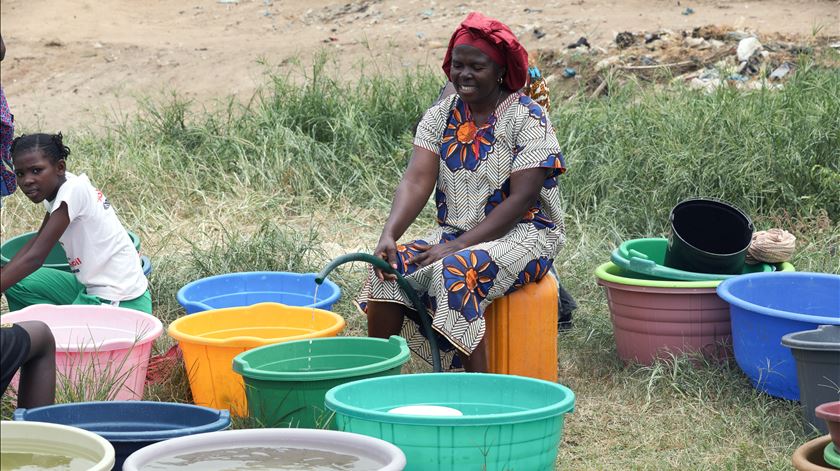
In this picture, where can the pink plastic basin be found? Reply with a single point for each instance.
(101, 352)
(652, 323)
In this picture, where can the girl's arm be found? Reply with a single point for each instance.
(28, 244)
(525, 186)
(23, 265)
(411, 196)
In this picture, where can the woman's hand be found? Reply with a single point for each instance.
(433, 253)
(386, 249)
(412, 193)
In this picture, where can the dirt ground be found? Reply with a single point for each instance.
(79, 63)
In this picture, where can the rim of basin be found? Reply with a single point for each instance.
(127, 408)
(566, 405)
(725, 292)
(251, 341)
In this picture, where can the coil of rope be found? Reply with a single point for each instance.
(771, 246)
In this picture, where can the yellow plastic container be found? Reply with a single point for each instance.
(522, 331)
(211, 339)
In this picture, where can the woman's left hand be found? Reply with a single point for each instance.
(433, 253)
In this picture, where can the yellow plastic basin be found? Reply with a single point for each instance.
(211, 339)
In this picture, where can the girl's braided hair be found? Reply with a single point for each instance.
(51, 144)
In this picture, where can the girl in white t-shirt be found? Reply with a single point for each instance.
(104, 263)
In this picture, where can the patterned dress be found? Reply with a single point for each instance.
(8, 183)
(476, 163)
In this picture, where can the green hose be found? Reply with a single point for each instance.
(402, 282)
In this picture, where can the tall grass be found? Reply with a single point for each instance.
(303, 172)
(634, 156)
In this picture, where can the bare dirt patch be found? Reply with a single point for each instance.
(71, 61)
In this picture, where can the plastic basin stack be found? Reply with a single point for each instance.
(764, 307)
(211, 339)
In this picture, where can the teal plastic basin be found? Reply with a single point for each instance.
(55, 259)
(647, 256)
(508, 422)
(285, 383)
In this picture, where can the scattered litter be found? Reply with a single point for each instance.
(781, 71)
(533, 10)
(227, 1)
(606, 63)
(704, 57)
(708, 85)
(625, 39)
(98, 45)
(708, 74)
(539, 33)
(796, 50)
(688, 11)
(428, 13)
(420, 35)
(747, 47)
(834, 45)
(750, 67)
(581, 42)
(708, 32)
(698, 43)
(737, 35)
(651, 37)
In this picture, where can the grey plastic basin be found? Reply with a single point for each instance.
(387, 456)
(817, 354)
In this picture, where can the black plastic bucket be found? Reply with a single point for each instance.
(817, 354)
(708, 236)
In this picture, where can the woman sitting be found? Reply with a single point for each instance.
(490, 155)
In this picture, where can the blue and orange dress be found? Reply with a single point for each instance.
(476, 163)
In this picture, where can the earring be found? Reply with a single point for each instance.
(500, 80)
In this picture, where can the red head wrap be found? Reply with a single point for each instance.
(496, 40)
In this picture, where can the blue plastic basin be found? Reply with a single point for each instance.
(766, 306)
(248, 288)
(131, 425)
(146, 264)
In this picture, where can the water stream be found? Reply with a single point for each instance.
(314, 300)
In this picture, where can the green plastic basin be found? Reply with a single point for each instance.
(615, 274)
(508, 422)
(285, 383)
(55, 259)
(831, 455)
(647, 256)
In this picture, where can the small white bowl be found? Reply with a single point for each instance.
(440, 411)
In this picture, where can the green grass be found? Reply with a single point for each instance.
(304, 172)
